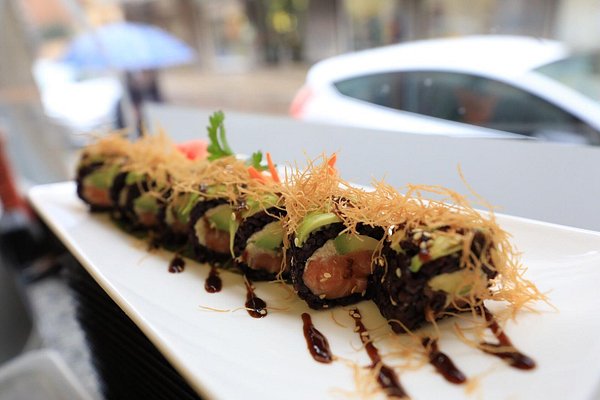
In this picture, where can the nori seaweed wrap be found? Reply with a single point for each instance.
(330, 268)
(138, 199)
(258, 244)
(174, 218)
(95, 177)
(97, 168)
(210, 229)
(424, 276)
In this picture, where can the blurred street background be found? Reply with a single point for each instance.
(250, 55)
(267, 90)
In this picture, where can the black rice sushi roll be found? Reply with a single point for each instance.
(329, 266)
(97, 169)
(426, 275)
(174, 218)
(139, 200)
(212, 222)
(258, 243)
(332, 247)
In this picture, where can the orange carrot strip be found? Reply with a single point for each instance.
(331, 163)
(272, 169)
(254, 174)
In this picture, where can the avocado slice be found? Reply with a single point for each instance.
(133, 177)
(270, 237)
(254, 206)
(454, 282)
(103, 177)
(182, 206)
(348, 243)
(220, 217)
(311, 223)
(145, 203)
(443, 245)
(215, 190)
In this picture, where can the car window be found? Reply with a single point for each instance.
(580, 72)
(469, 99)
(381, 89)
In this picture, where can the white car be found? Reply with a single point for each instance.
(479, 86)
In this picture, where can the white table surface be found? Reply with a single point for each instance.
(551, 182)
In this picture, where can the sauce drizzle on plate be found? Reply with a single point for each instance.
(317, 342)
(256, 307)
(442, 363)
(177, 264)
(213, 283)
(387, 378)
(504, 349)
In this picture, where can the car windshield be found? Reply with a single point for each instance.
(580, 72)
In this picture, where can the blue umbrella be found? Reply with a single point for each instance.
(127, 46)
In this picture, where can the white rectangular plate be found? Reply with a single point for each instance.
(229, 355)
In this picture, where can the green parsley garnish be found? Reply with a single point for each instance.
(255, 161)
(218, 146)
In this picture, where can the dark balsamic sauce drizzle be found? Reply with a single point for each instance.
(177, 264)
(256, 307)
(386, 377)
(513, 356)
(213, 283)
(442, 363)
(317, 342)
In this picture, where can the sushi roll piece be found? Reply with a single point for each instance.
(224, 208)
(174, 218)
(210, 228)
(174, 215)
(429, 273)
(258, 243)
(330, 266)
(97, 169)
(331, 251)
(138, 200)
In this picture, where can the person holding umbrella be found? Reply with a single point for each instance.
(139, 50)
(141, 86)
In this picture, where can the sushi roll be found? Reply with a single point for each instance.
(258, 243)
(174, 218)
(138, 200)
(97, 169)
(329, 266)
(210, 227)
(226, 217)
(331, 251)
(180, 199)
(418, 259)
(429, 273)
(214, 217)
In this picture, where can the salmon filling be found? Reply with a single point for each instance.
(147, 218)
(173, 221)
(331, 275)
(264, 260)
(97, 196)
(211, 237)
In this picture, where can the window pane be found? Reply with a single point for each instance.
(380, 89)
